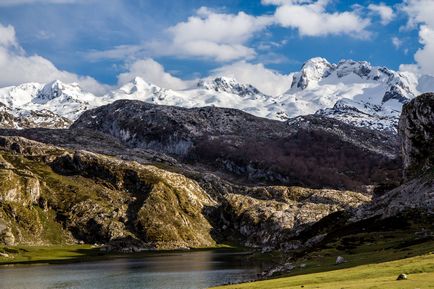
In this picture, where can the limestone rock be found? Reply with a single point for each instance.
(416, 128)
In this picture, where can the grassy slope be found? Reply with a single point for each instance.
(48, 254)
(374, 260)
(420, 270)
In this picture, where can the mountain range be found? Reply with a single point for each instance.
(353, 92)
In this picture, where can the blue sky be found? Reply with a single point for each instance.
(102, 39)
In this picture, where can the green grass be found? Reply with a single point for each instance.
(374, 260)
(48, 254)
(420, 272)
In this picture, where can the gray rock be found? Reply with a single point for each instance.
(340, 260)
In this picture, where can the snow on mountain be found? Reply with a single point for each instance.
(351, 91)
(220, 91)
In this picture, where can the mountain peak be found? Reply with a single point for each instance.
(54, 89)
(138, 84)
(311, 72)
(316, 61)
(229, 85)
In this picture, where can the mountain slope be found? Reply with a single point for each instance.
(308, 151)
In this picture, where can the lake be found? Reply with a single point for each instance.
(177, 270)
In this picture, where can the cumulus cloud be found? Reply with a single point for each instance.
(216, 35)
(266, 80)
(207, 34)
(17, 67)
(420, 13)
(153, 72)
(385, 12)
(313, 20)
(224, 37)
(425, 56)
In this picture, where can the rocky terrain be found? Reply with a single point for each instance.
(50, 195)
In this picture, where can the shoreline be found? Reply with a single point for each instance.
(64, 254)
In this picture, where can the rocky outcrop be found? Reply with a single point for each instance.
(273, 217)
(416, 127)
(309, 151)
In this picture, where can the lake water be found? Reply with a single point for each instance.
(178, 270)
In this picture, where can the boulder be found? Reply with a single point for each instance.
(402, 276)
(340, 260)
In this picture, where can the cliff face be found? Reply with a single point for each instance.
(416, 127)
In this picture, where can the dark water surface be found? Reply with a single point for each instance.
(178, 270)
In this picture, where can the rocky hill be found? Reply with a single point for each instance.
(309, 151)
(51, 195)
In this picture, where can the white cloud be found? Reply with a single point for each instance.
(216, 35)
(396, 42)
(385, 12)
(17, 67)
(7, 37)
(420, 13)
(313, 20)
(425, 56)
(207, 34)
(266, 80)
(153, 72)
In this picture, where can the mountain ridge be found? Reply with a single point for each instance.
(354, 92)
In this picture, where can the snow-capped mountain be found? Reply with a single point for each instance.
(220, 91)
(52, 105)
(354, 92)
(351, 91)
